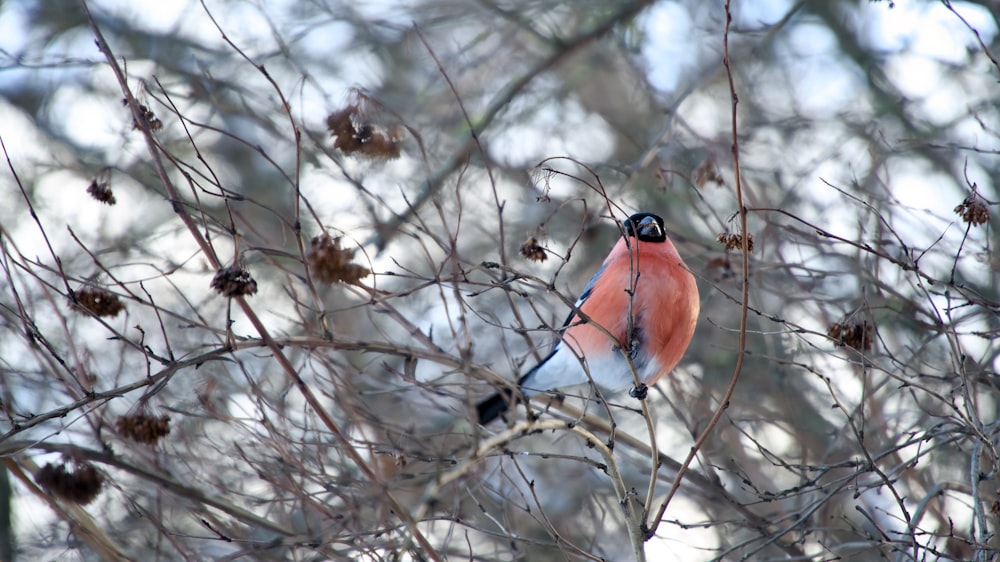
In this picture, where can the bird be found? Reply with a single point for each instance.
(643, 302)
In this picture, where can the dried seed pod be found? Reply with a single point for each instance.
(531, 250)
(355, 132)
(80, 485)
(96, 301)
(101, 191)
(707, 172)
(234, 281)
(147, 115)
(734, 241)
(856, 335)
(721, 266)
(331, 264)
(973, 211)
(341, 126)
(143, 428)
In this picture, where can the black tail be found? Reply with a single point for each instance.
(491, 408)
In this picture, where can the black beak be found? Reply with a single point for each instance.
(646, 227)
(649, 229)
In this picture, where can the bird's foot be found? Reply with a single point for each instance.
(639, 392)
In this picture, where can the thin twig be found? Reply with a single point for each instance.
(741, 351)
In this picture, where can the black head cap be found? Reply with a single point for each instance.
(646, 227)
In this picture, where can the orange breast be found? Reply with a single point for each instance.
(664, 309)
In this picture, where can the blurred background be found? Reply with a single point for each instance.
(261, 259)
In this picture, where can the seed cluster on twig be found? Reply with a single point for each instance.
(143, 428)
(234, 281)
(331, 264)
(80, 485)
(96, 301)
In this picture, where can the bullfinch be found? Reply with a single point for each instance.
(643, 301)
